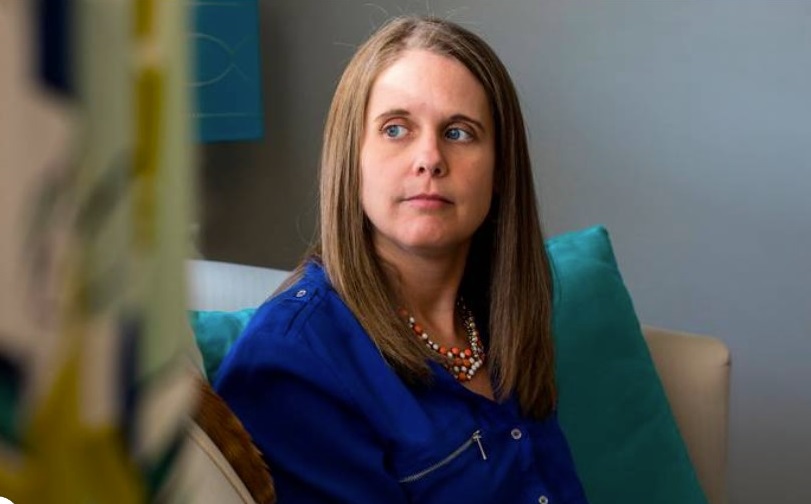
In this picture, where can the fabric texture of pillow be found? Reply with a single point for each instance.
(612, 405)
(215, 332)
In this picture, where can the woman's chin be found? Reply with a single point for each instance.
(434, 246)
(422, 241)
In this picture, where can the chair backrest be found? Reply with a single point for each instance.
(223, 286)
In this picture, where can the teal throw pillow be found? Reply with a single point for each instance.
(215, 332)
(612, 406)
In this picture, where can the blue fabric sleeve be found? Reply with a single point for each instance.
(311, 432)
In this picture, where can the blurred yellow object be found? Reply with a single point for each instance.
(92, 298)
(72, 463)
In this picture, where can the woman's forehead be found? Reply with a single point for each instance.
(421, 81)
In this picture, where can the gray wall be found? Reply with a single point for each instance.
(683, 125)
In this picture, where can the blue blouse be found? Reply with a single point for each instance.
(336, 424)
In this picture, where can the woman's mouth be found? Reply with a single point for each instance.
(428, 201)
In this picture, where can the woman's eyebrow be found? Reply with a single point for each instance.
(462, 117)
(401, 112)
(392, 113)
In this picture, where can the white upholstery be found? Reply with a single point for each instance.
(204, 474)
(224, 286)
(694, 371)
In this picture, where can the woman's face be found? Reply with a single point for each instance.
(427, 157)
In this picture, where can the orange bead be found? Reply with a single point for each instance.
(443, 350)
(418, 329)
(468, 352)
(462, 377)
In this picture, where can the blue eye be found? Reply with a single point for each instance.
(394, 131)
(458, 134)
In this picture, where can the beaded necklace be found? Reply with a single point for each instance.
(461, 363)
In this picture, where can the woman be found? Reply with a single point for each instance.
(409, 358)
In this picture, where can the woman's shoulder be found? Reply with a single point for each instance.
(307, 319)
(306, 334)
(295, 314)
(283, 313)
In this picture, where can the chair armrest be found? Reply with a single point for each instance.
(202, 473)
(695, 371)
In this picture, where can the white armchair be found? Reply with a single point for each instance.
(694, 370)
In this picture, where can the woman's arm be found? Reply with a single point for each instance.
(319, 446)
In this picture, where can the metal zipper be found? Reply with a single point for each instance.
(475, 438)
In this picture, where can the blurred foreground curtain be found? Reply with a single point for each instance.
(95, 196)
(227, 79)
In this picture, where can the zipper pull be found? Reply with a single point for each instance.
(477, 437)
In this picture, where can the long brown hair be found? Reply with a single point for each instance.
(507, 277)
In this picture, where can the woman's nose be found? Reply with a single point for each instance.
(429, 159)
